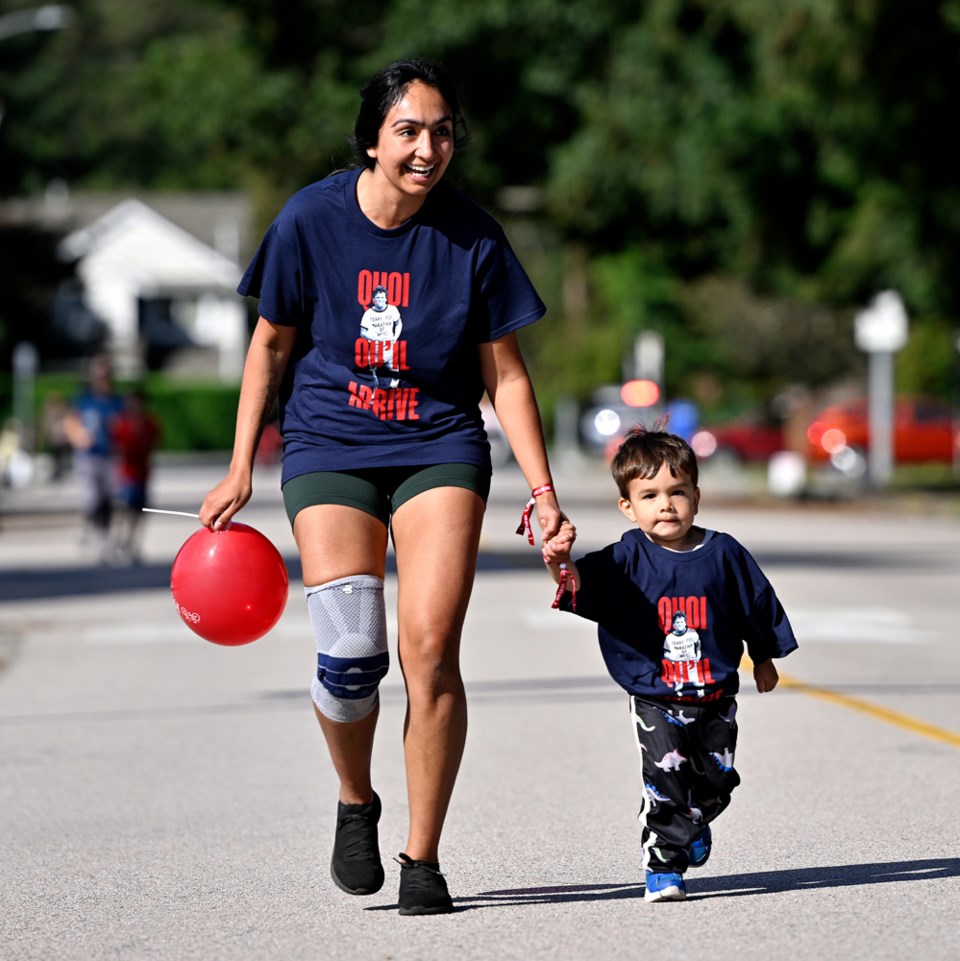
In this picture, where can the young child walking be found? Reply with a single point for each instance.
(674, 604)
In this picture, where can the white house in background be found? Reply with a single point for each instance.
(158, 287)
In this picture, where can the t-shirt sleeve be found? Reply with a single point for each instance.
(506, 298)
(596, 571)
(769, 633)
(767, 630)
(274, 274)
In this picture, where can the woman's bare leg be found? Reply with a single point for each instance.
(437, 536)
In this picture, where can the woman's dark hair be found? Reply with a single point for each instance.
(386, 88)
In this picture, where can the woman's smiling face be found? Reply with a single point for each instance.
(415, 143)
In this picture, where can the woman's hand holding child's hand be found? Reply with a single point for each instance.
(556, 550)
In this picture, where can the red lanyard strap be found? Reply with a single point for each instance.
(525, 527)
(565, 578)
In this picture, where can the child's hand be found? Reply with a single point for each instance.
(557, 549)
(765, 675)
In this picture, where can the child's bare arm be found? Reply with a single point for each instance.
(765, 675)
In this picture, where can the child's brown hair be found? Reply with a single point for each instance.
(644, 451)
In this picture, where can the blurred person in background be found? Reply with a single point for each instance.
(135, 436)
(55, 439)
(88, 426)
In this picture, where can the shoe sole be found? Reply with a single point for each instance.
(439, 909)
(667, 894)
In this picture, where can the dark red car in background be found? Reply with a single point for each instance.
(746, 440)
(924, 430)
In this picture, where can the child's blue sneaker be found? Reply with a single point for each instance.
(699, 852)
(664, 887)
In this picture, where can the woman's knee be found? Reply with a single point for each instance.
(431, 663)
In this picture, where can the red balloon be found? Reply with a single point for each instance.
(229, 586)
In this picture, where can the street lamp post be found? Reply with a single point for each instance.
(880, 331)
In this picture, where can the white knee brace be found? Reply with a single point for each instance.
(350, 628)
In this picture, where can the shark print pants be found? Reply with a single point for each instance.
(687, 752)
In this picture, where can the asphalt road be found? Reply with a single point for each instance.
(165, 798)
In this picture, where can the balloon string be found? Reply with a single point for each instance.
(154, 510)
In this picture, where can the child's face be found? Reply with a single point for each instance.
(663, 507)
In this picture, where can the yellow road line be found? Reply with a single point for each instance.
(874, 710)
(865, 707)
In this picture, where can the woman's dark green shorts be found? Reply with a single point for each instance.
(379, 490)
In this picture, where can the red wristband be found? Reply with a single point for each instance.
(525, 527)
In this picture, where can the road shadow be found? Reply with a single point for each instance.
(36, 583)
(64, 580)
(736, 885)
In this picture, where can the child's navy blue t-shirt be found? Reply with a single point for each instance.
(672, 624)
(386, 366)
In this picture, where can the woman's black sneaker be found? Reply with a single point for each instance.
(423, 889)
(355, 865)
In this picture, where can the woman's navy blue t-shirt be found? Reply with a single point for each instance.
(386, 366)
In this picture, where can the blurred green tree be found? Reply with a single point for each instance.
(740, 175)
